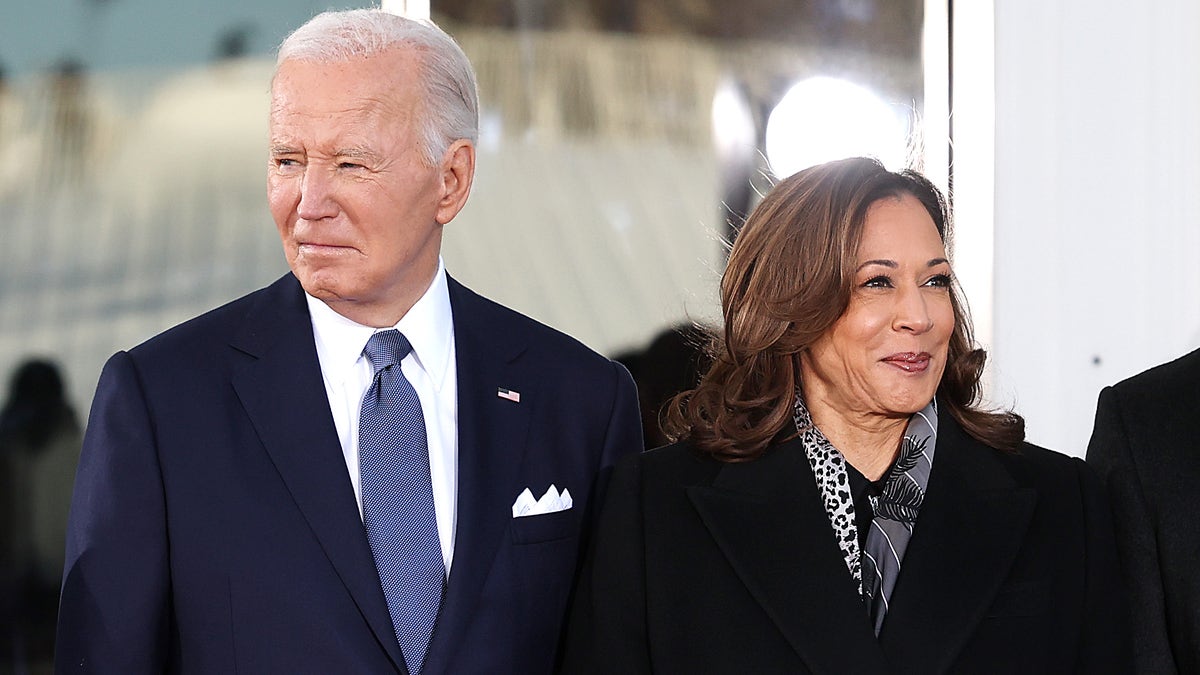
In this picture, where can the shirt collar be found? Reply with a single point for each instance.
(428, 325)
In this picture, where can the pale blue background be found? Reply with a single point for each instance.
(117, 34)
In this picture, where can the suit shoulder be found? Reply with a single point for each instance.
(1165, 380)
(212, 328)
(507, 323)
(1158, 403)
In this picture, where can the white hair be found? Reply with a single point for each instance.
(450, 95)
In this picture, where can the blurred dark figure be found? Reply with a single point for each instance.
(234, 42)
(672, 363)
(39, 448)
(8, 112)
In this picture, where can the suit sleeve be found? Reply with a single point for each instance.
(1106, 646)
(1109, 453)
(606, 629)
(114, 612)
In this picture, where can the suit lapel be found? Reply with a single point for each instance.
(492, 434)
(967, 536)
(283, 393)
(767, 519)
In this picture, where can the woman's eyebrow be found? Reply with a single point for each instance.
(884, 263)
(892, 264)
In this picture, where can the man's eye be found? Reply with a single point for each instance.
(350, 165)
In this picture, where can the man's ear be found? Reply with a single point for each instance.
(458, 170)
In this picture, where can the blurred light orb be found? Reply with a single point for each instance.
(825, 118)
(732, 121)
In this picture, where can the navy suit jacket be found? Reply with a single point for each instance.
(214, 528)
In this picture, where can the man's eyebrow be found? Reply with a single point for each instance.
(356, 152)
(280, 149)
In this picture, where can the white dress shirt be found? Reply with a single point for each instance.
(430, 367)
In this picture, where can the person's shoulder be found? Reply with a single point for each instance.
(1164, 397)
(678, 463)
(1040, 457)
(213, 328)
(1165, 379)
(523, 332)
(1029, 464)
(1054, 474)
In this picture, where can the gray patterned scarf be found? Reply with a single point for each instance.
(875, 570)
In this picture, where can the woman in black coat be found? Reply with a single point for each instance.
(838, 501)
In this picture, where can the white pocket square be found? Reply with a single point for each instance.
(551, 502)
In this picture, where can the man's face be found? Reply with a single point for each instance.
(359, 211)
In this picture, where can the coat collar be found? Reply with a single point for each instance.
(282, 392)
(766, 516)
(966, 539)
(768, 520)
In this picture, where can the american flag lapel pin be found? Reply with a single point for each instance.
(509, 395)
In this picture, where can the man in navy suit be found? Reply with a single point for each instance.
(217, 524)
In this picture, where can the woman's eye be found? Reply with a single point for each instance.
(939, 280)
(880, 281)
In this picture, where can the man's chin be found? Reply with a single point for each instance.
(321, 289)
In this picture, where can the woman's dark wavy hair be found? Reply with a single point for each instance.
(788, 280)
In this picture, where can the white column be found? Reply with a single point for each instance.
(973, 157)
(413, 9)
(1097, 210)
(935, 118)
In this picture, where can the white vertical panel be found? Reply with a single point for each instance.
(413, 9)
(1096, 201)
(935, 118)
(973, 161)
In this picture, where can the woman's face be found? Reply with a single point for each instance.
(886, 353)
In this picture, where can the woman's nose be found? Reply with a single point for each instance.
(912, 312)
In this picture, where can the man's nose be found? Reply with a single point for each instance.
(316, 194)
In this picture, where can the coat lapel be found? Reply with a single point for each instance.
(492, 434)
(283, 393)
(966, 539)
(767, 518)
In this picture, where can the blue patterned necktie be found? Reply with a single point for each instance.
(397, 498)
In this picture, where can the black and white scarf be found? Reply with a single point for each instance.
(875, 570)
